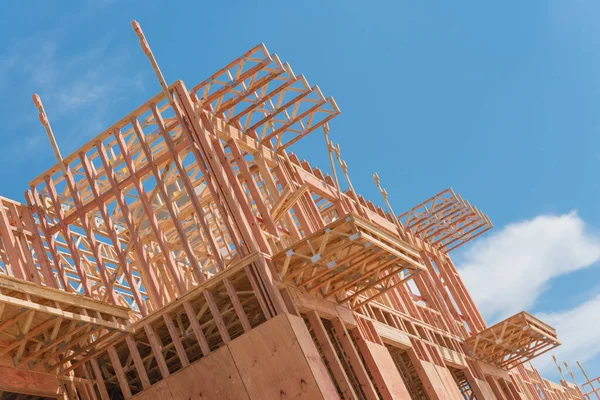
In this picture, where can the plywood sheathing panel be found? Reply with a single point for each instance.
(213, 377)
(28, 382)
(273, 365)
(159, 391)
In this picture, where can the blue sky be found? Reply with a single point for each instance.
(499, 101)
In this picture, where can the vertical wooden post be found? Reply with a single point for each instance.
(38, 248)
(332, 359)
(196, 328)
(99, 379)
(214, 310)
(157, 351)
(34, 201)
(137, 360)
(176, 340)
(17, 264)
(121, 377)
(354, 359)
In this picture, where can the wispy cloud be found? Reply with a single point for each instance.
(83, 91)
(506, 272)
(42, 67)
(76, 85)
(578, 331)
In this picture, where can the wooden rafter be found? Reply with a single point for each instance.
(446, 221)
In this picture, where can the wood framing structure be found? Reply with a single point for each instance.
(513, 341)
(349, 260)
(446, 221)
(184, 252)
(40, 324)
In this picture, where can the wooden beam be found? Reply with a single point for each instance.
(354, 359)
(28, 382)
(176, 340)
(121, 377)
(137, 360)
(332, 359)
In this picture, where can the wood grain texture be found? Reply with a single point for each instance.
(272, 364)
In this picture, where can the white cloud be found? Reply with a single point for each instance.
(82, 92)
(42, 67)
(78, 86)
(507, 271)
(577, 329)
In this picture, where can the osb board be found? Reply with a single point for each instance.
(271, 363)
(394, 385)
(315, 362)
(212, 377)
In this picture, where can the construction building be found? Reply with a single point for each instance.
(186, 253)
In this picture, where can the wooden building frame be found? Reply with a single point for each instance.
(187, 233)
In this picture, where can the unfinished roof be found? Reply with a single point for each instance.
(446, 221)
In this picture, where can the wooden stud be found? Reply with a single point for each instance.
(332, 359)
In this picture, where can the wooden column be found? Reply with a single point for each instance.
(137, 361)
(99, 379)
(332, 359)
(176, 340)
(157, 350)
(121, 377)
(354, 359)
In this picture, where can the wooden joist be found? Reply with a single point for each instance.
(513, 341)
